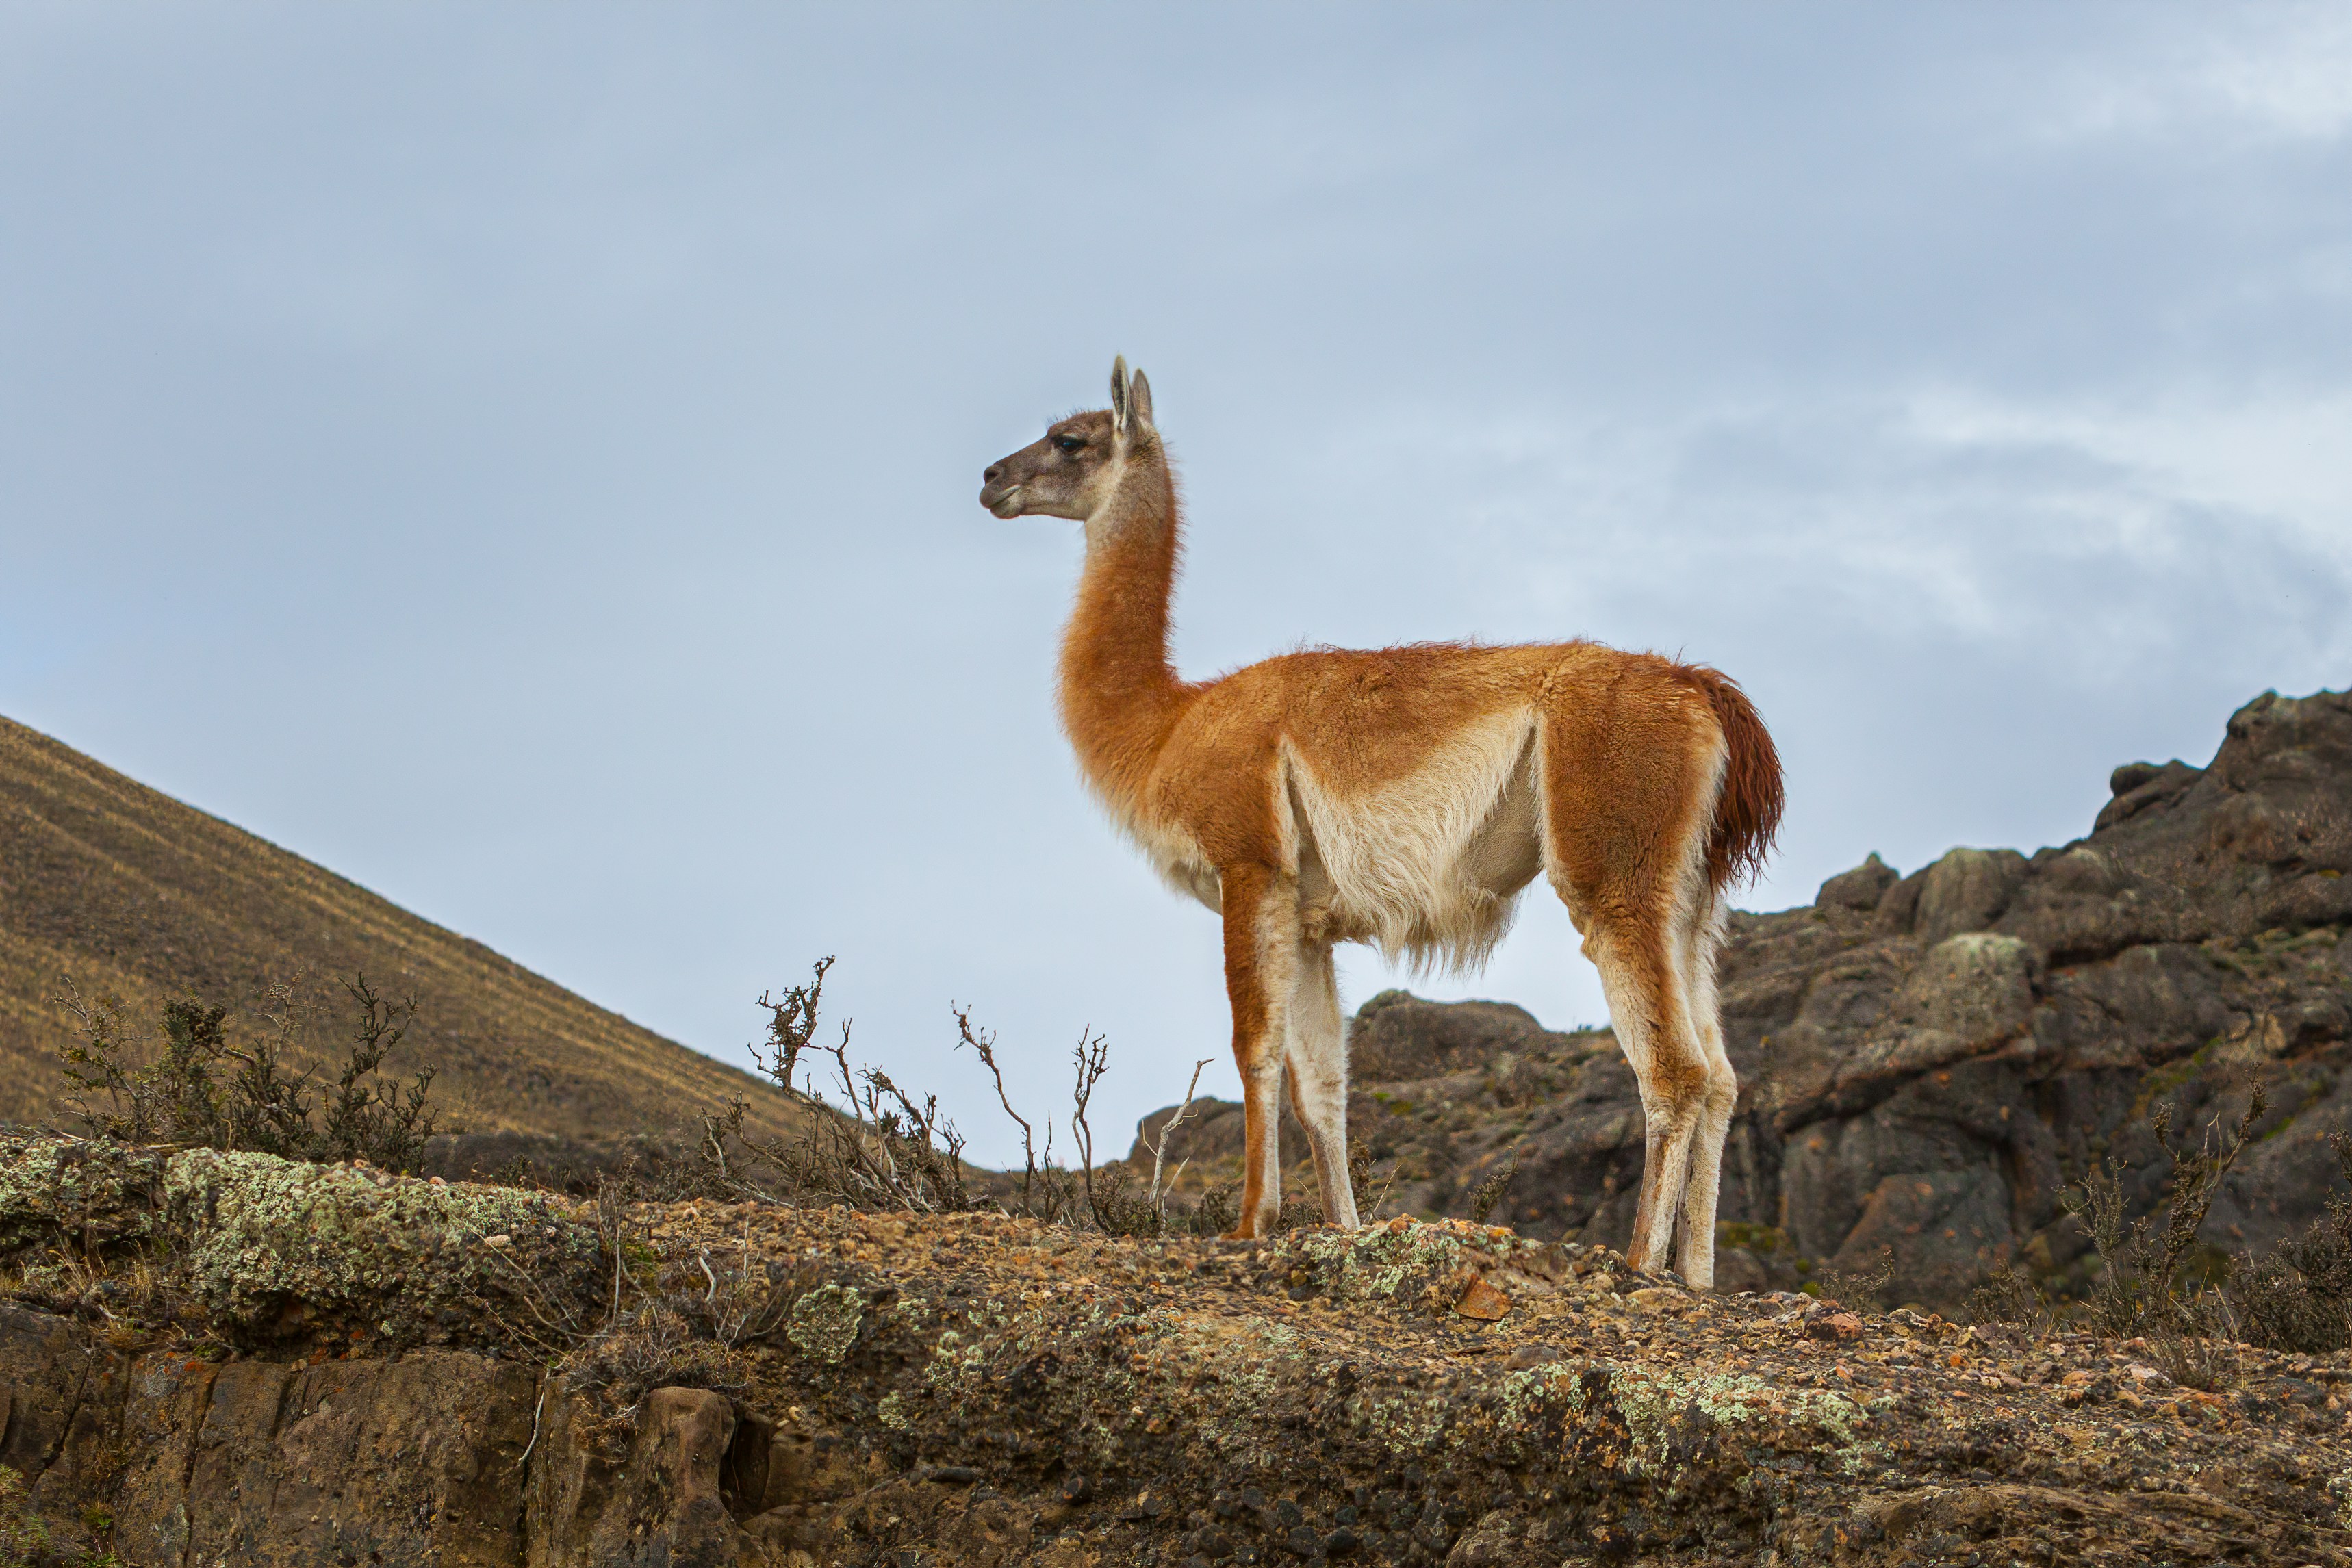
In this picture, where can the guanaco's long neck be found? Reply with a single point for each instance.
(1120, 694)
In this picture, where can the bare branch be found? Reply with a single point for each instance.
(1159, 1150)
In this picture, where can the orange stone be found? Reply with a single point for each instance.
(1482, 1301)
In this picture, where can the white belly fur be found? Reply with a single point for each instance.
(1428, 867)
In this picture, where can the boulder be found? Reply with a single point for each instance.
(665, 1509)
(1860, 888)
(1965, 891)
(1398, 1037)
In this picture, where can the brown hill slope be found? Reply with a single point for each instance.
(109, 886)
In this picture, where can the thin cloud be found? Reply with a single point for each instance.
(2262, 73)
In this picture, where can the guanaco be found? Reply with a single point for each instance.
(1404, 797)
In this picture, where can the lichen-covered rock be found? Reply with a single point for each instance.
(282, 1248)
(274, 1249)
(1408, 1265)
(1021, 1399)
(88, 1192)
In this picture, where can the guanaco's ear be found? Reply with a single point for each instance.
(1139, 400)
(1119, 404)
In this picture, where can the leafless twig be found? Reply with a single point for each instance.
(1159, 1149)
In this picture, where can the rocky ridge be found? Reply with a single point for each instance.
(974, 1389)
(1929, 1062)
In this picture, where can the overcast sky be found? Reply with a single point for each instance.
(523, 459)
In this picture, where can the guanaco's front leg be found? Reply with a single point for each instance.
(1261, 913)
(1317, 1069)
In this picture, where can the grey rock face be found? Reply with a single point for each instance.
(1929, 1063)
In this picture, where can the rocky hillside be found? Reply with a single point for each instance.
(1929, 1061)
(107, 885)
(225, 1359)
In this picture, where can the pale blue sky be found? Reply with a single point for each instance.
(524, 459)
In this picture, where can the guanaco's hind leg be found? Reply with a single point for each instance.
(1694, 1255)
(1317, 1059)
(1628, 794)
(1648, 1010)
(1261, 911)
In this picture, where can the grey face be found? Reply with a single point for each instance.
(1058, 475)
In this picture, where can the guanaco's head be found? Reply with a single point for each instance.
(1072, 470)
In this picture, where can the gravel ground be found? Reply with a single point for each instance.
(978, 1389)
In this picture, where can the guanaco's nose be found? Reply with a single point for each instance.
(995, 471)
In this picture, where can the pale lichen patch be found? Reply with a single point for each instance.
(824, 1322)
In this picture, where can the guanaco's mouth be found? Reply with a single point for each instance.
(1007, 505)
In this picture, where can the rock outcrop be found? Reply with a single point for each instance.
(274, 1251)
(986, 1392)
(444, 1457)
(1929, 1061)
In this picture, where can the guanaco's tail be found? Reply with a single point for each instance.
(1748, 811)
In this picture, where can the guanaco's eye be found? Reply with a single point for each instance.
(1069, 442)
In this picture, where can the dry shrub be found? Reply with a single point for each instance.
(651, 1346)
(2299, 1298)
(2146, 1289)
(197, 1089)
(1218, 1211)
(869, 1145)
(1863, 1286)
(864, 1142)
(676, 1320)
(2009, 1295)
(1490, 1191)
(1300, 1211)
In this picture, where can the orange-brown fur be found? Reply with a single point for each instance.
(1404, 796)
